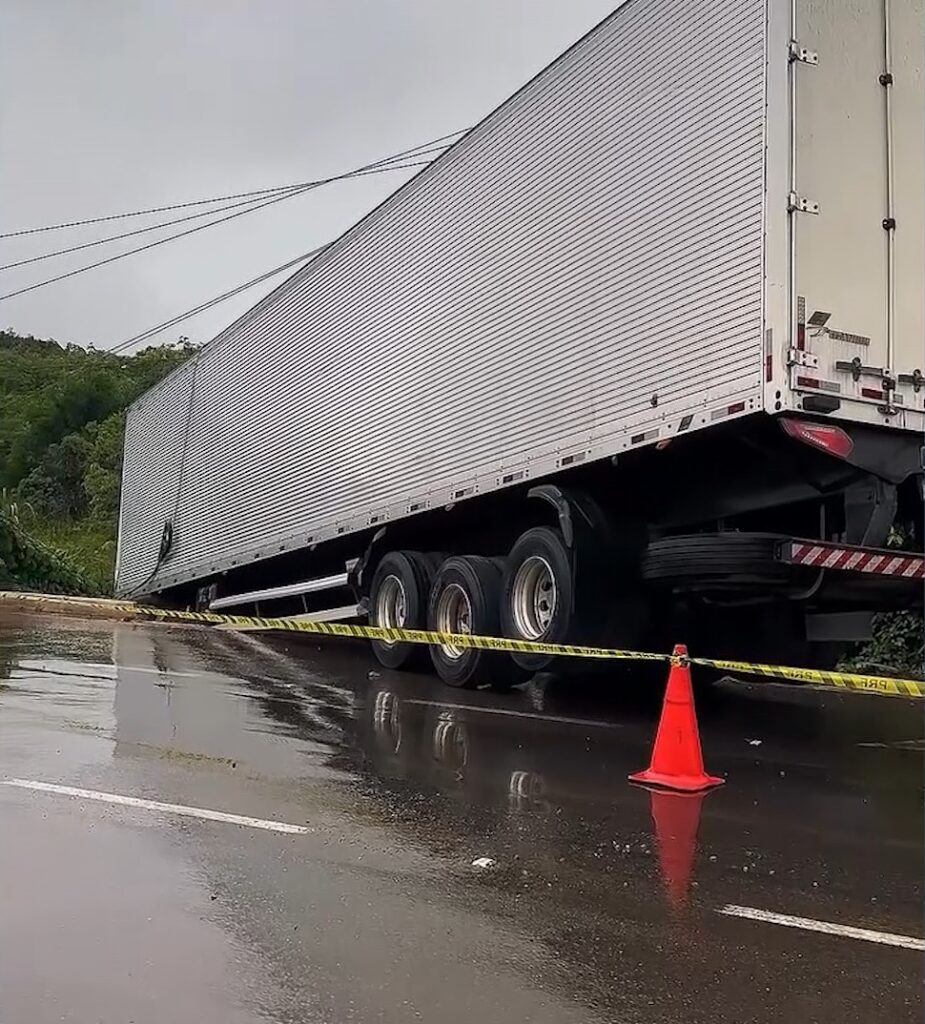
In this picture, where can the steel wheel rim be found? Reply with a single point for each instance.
(534, 596)
(453, 615)
(391, 605)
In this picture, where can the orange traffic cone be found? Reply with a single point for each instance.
(676, 820)
(677, 762)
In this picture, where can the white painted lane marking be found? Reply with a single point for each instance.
(808, 924)
(35, 665)
(148, 670)
(512, 713)
(156, 805)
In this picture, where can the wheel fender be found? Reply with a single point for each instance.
(585, 528)
(357, 571)
(581, 519)
(562, 503)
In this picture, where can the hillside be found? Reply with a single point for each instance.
(62, 416)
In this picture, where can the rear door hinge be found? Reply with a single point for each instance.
(801, 204)
(801, 53)
(800, 357)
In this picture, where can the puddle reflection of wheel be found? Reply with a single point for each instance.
(525, 789)
(451, 742)
(387, 720)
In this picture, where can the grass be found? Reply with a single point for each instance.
(92, 545)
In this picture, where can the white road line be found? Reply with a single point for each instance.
(808, 924)
(43, 666)
(512, 713)
(145, 668)
(156, 805)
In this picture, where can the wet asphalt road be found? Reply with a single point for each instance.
(604, 902)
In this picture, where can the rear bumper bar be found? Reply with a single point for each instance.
(850, 558)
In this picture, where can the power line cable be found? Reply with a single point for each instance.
(150, 245)
(127, 234)
(201, 202)
(190, 231)
(209, 303)
(208, 213)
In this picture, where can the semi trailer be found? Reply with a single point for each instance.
(640, 356)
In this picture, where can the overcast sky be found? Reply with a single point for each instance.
(116, 105)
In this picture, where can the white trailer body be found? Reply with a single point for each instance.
(678, 222)
(845, 283)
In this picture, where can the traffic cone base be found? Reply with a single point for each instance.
(682, 783)
(677, 761)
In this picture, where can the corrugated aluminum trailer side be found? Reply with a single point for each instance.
(581, 275)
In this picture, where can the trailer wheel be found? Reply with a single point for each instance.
(464, 598)
(536, 602)
(398, 598)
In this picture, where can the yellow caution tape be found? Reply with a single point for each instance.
(839, 680)
(836, 680)
(411, 636)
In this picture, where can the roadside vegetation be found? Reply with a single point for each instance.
(898, 647)
(62, 418)
(28, 564)
(898, 644)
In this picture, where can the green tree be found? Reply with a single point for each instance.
(56, 486)
(62, 419)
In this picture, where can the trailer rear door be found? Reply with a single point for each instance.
(857, 208)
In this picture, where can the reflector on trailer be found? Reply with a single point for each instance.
(824, 436)
(853, 558)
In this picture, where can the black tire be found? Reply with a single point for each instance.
(415, 574)
(548, 545)
(435, 559)
(479, 579)
(714, 556)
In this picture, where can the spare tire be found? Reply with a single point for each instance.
(714, 556)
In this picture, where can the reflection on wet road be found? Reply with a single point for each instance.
(440, 855)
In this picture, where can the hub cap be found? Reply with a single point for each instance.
(390, 605)
(533, 597)
(454, 615)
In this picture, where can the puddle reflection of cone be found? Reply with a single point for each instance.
(677, 761)
(675, 821)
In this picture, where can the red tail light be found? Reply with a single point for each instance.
(824, 436)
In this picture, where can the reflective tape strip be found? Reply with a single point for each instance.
(851, 559)
(831, 559)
